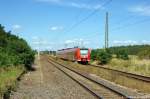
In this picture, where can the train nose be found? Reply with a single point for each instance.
(84, 56)
(84, 59)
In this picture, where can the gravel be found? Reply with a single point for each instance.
(47, 82)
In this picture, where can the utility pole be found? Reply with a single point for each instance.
(38, 53)
(106, 32)
(82, 44)
(36, 42)
(66, 45)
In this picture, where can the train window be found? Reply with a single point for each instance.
(84, 52)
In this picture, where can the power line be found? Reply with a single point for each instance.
(87, 17)
(77, 16)
(126, 26)
(106, 31)
(80, 12)
(122, 27)
(132, 24)
(128, 18)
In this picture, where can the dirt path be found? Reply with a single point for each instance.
(48, 82)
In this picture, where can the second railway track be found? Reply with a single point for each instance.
(131, 75)
(100, 88)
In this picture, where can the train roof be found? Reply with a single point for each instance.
(72, 48)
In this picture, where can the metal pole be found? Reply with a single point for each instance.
(106, 32)
(38, 52)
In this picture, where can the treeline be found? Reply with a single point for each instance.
(121, 52)
(48, 52)
(14, 50)
(130, 49)
(142, 51)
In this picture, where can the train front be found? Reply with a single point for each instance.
(84, 56)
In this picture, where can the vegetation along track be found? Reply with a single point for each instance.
(98, 87)
(131, 75)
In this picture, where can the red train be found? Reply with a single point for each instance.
(81, 55)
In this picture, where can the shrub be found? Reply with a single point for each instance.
(93, 54)
(122, 54)
(14, 50)
(145, 54)
(104, 56)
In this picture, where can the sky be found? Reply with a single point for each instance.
(56, 24)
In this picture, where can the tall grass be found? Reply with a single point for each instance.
(8, 77)
(133, 65)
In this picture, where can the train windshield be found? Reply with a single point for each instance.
(84, 51)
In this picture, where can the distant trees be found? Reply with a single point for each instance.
(14, 50)
(142, 51)
(48, 52)
(130, 49)
(145, 54)
(121, 52)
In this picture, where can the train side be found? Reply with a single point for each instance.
(81, 55)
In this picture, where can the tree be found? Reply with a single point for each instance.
(104, 56)
(145, 54)
(93, 54)
(122, 54)
(14, 50)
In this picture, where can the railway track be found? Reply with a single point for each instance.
(131, 75)
(100, 88)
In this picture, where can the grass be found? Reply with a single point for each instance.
(133, 65)
(8, 77)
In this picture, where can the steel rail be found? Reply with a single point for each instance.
(94, 80)
(131, 75)
(81, 84)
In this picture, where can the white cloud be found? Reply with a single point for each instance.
(16, 27)
(84, 6)
(55, 28)
(35, 38)
(145, 42)
(124, 42)
(71, 3)
(76, 42)
(69, 41)
(140, 9)
(129, 42)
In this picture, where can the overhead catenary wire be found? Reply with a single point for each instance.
(131, 24)
(128, 18)
(87, 17)
(126, 26)
(114, 29)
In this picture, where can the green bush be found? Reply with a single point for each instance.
(104, 56)
(93, 54)
(145, 54)
(14, 50)
(122, 54)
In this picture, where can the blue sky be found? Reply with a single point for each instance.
(50, 24)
